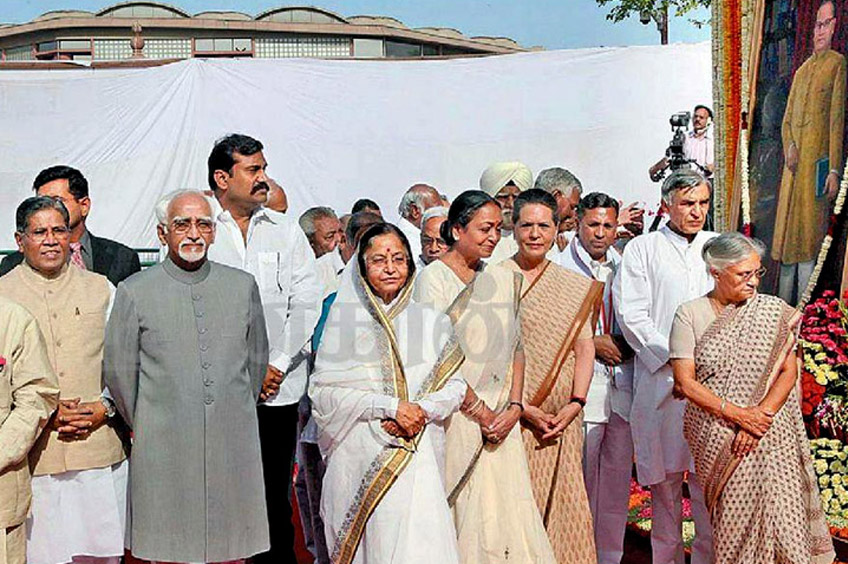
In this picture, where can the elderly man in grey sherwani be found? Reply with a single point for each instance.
(185, 356)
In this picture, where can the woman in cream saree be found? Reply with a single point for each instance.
(733, 357)
(386, 365)
(488, 480)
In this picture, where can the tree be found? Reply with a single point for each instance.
(653, 10)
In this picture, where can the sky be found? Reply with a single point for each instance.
(552, 24)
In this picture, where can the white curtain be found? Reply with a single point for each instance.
(335, 131)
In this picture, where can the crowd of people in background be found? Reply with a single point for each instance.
(469, 386)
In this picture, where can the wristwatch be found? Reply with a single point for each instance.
(109, 405)
(578, 400)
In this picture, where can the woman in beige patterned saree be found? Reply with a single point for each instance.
(488, 480)
(560, 361)
(733, 355)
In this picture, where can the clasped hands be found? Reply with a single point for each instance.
(753, 423)
(76, 420)
(547, 426)
(408, 421)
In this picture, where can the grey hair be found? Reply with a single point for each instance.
(308, 218)
(552, 179)
(415, 195)
(730, 248)
(164, 203)
(438, 211)
(681, 179)
(35, 204)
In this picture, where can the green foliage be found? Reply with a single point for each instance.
(622, 9)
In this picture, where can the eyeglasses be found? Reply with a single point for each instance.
(381, 261)
(39, 234)
(824, 23)
(759, 273)
(427, 241)
(183, 226)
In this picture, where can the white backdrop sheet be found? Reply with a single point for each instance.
(335, 131)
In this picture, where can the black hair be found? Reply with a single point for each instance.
(364, 204)
(462, 210)
(221, 157)
(77, 184)
(35, 204)
(535, 196)
(703, 107)
(358, 222)
(596, 200)
(376, 230)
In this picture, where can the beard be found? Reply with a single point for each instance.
(192, 256)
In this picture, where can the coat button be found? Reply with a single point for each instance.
(209, 400)
(199, 314)
(206, 365)
(58, 343)
(195, 297)
(208, 382)
(202, 330)
(204, 348)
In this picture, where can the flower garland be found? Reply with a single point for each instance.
(745, 94)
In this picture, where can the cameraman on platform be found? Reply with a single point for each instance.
(699, 146)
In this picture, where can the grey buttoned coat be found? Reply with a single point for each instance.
(184, 358)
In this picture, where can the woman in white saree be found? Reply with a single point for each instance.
(385, 380)
(488, 479)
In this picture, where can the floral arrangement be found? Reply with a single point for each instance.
(829, 462)
(824, 382)
(640, 513)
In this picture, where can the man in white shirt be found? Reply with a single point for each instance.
(417, 199)
(272, 247)
(608, 459)
(432, 244)
(324, 232)
(658, 272)
(699, 145)
(566, 190)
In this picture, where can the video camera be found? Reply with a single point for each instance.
(674, 154)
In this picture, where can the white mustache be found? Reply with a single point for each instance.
(192, 256)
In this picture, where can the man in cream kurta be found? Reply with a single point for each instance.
(80, 474)
(608, 458)
(504, 182)
(185, 355)
(29, 392)
(812, 132)
(658, 272)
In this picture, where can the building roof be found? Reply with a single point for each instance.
(158, 14)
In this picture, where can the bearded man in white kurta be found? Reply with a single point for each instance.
(658, 272)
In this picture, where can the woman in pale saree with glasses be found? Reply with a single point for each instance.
(385, 379)
(488, 479)
(733, 355)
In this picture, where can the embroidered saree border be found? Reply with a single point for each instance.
(388, 465)
(455, 311)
